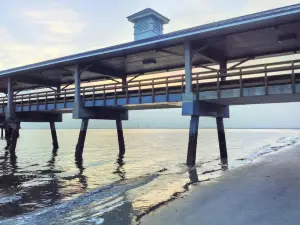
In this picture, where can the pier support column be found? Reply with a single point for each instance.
(188, 68)
(14, 138)
(222, 139)
(8, 132)
(120, 138)
(2, 128)
(193, 137)
(81, 139)
(54, 135)
(223, 70)
(77, 98)
(10, 94)
(196, 109)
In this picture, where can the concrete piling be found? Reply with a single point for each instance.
(81, 139)
(222, 139)
(54, 135)
(120, 138)
(8, 133)
(193, 136)
(14, 138)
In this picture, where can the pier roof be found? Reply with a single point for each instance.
(272, 32)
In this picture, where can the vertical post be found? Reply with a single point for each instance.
(54, 136)
(222, 139)
(10, 94)
(58, 89)
(266, 81)
(124, 83)
(77, 84)
(193, 137)
(14, 138)
(193, 133)
(293, 79)
(188, 67)
(223, 70)
(81, 139)
(8, 131)
(2, 128)
(120, 138)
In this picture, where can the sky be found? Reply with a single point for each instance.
(35, 30)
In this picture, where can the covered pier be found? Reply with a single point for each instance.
(201, 70)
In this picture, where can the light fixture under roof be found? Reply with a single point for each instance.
(149, 61)
(287, 38)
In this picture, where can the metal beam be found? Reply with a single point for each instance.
(67, 85)
(111, 78)
(209, 68)
(240, 63)
(136, 76)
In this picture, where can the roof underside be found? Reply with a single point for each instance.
(257, 35)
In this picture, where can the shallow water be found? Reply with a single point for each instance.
(41, 187)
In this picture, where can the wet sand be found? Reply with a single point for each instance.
(266, 192)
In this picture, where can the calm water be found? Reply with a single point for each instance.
(41, 187)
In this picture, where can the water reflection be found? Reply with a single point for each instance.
(81, 177)
(120, 171)
(23, 191)
(103, 186)
(81, 181)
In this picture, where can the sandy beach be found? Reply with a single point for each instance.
(265, 192)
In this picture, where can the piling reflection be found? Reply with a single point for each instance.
(81, 177)
(78, 180)
(120, 169)
(22, 190)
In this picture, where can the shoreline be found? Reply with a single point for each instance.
(256, 193)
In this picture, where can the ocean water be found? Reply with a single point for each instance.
(45, 187)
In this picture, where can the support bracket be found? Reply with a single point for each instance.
(105, 113)
(191, 107)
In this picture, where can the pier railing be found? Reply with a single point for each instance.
(284, 72)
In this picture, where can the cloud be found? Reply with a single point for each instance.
(58, 25)
(49, 33)
(35, 31)
(14, 52)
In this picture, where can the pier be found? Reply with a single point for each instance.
(201, 70)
